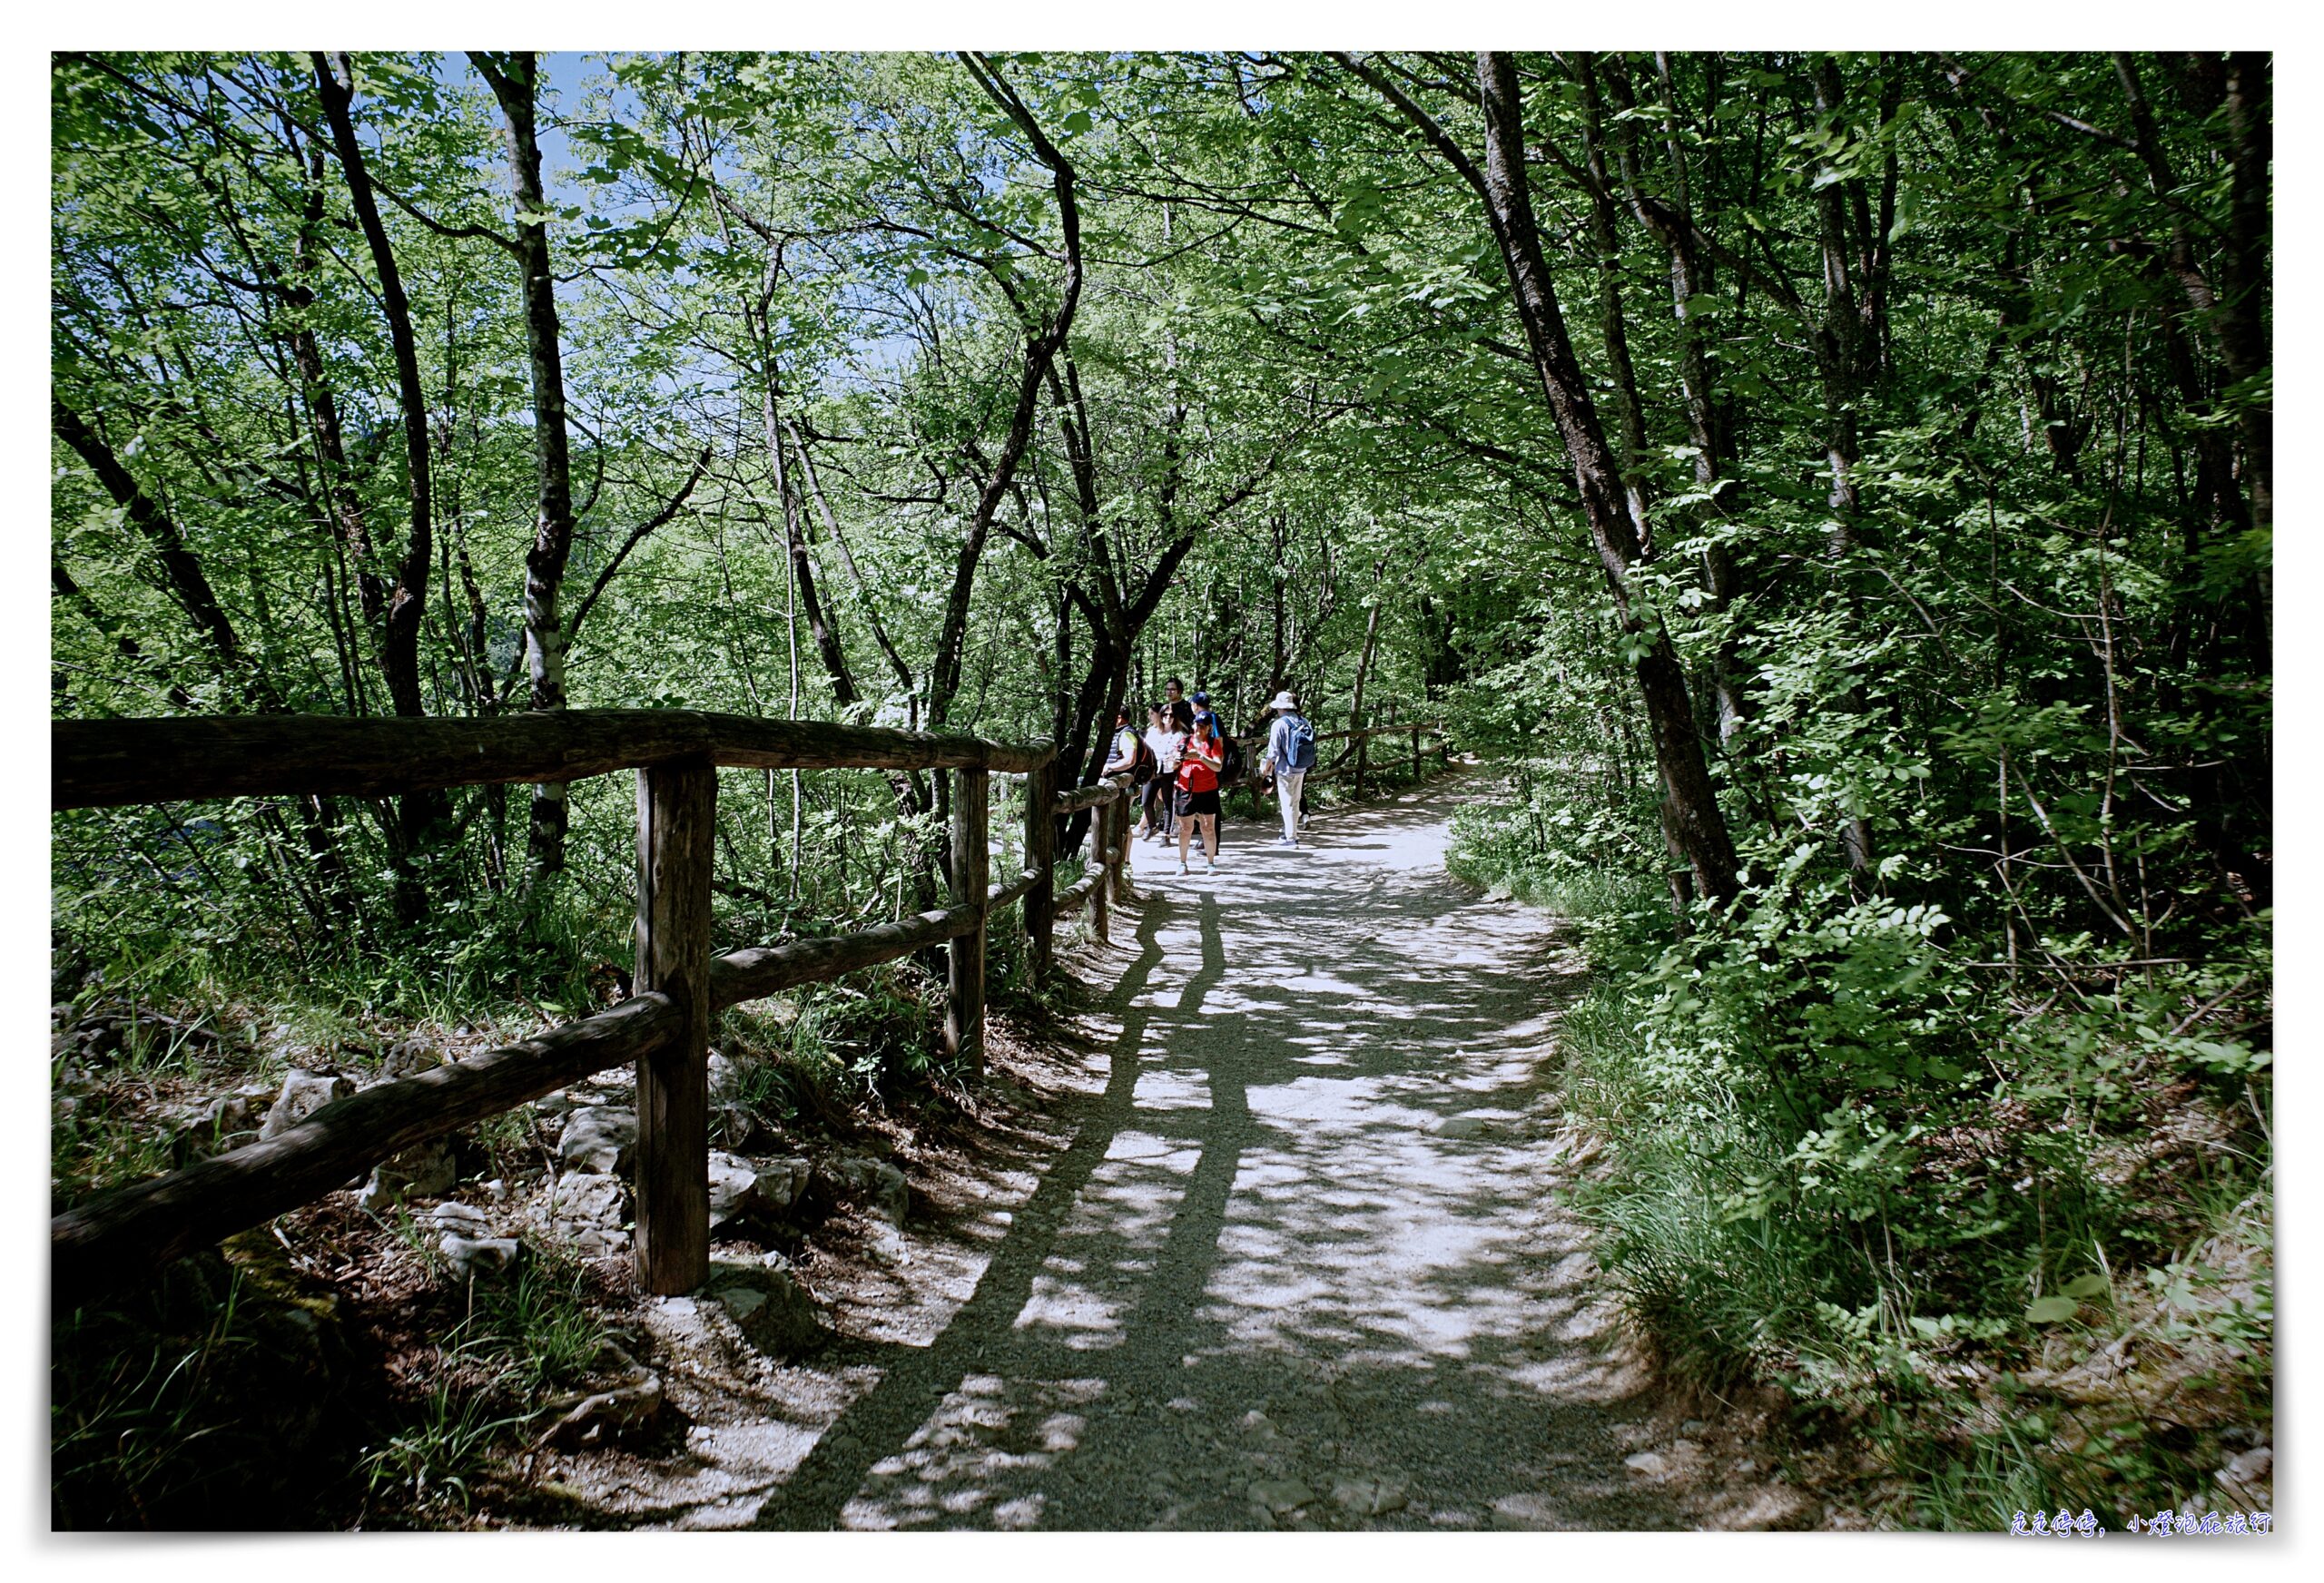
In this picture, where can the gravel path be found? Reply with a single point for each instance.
(1298, 1267)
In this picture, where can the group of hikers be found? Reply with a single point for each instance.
(1182, 758)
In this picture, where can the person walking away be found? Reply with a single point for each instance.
(1291, 753)
(1197, 796)
(1166, 744)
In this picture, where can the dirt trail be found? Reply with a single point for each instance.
(1298, 1266)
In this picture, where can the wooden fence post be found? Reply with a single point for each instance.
(1123, 890)
(1363, 750)
(1100, 838)
(677, 807)
(1040, 856)
(970, 873)
(1415, 755)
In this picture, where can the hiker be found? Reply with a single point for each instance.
(1166, 744)
(1127, 751)
(1128, 755)
(1197, 796)
(1291, 753)
(1231, 767)
(1174, 698)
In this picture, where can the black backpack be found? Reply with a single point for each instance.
(1230, 769)
(1143, 765)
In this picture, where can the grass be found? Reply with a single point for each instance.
(1901, 1329)
(535, 1328)
(431, 1462)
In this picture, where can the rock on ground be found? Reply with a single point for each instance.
(303, 1094)
(590, 1211)
(890, 1198)
(423, 1171)
(599, 1139)
(770, 1307)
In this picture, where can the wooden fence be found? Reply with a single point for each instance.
(116, 1238)
(1354, 760)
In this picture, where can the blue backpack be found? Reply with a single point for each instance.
(1299, 743)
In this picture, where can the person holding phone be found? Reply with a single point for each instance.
(1198, 794)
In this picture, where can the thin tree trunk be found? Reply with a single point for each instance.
(515, 84)
(1698, 823)
(420, 817)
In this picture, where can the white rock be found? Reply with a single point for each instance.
(473, 1256)
(781, 1182)
(734, 1186)
(465, 1219)
(1648, 1463)
(600, 1138)
(890, 1198)
(1371, 1497)
(588, 1210)
(2251, 1467)
(1280, 1496)
(303, 1094)
(888, 1248)
(422, 1171)
(1462, 1127)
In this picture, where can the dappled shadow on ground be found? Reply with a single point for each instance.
(1297, 1265)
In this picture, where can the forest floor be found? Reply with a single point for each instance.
(1264, 1235)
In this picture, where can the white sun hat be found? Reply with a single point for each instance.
(1283, 700)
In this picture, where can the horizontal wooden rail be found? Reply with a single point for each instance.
(1069, 900)
(1426, 728)
(1082, 797)
(118, 1237)
(1001, 896)
(100, 764)
(762, 971)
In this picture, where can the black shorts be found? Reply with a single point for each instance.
(1189, 802)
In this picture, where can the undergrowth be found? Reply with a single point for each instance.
(2002, 1242)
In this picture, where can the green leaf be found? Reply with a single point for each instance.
(2086, 1286)
(2051, 1310)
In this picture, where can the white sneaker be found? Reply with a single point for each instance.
(1210, 865)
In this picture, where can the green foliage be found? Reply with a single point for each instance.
(1968, 570)
(212, 1392)
(432, 1461)
(535, 1329)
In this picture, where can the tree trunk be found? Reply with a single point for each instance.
(1695, 819)
(422, 817)
(513, 82)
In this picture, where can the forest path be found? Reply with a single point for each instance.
(1299, 1265)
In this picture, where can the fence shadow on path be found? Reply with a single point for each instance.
(1300, 1249)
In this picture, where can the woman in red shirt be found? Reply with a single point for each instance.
(1198, 798)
